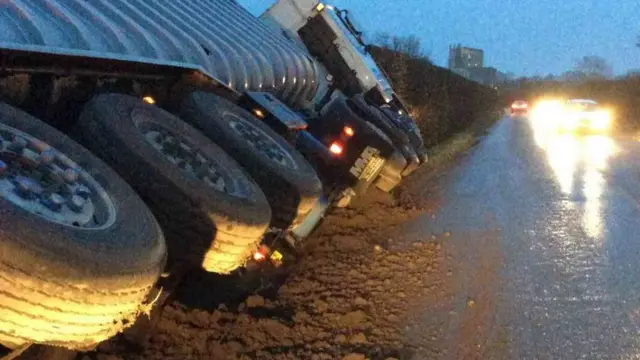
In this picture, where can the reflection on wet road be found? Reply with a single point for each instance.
(568, 207)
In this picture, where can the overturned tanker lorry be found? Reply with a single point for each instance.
(140, 138)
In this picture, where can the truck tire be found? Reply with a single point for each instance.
(70, 278)
(403, 144)
(213, 214)
(377, 117)
(399, 138)
(290, 183)
(412, 131)
(391, 173)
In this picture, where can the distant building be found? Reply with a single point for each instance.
(487, 76)
(462, 72)
(469, 63)
(461, 57)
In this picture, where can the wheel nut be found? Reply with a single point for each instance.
(54, 201)
(160, 138)
(27, 187)
(76, 203)
(170, 142)
(219, 184)
(18, 144)
(47, 157)
(57, 176)
(70, 175)
(83, 191)
(202, 170)
(168, 139)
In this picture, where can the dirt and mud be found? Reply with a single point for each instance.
(364, 291)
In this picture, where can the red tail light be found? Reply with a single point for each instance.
(336, 148)
(261, 254)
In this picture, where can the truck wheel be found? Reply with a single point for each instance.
(399, 138)
(79, 250)
(288, 180)
(411, 129)
(402, 143)
(213, 214)
(377, 117)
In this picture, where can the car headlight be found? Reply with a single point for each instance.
(547, 110)
(602, 120)
(570, 121)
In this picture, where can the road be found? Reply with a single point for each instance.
(545, 231)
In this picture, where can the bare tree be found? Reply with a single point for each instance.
(593, 67)
(408, 45)
(573, 76)
(382, 39)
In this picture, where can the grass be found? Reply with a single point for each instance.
(447, 151)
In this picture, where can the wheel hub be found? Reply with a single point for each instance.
(43, 181)
(191, 161)
(261, 141)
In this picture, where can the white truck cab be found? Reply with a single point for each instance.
(332, 35)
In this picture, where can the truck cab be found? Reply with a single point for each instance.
(333, 37)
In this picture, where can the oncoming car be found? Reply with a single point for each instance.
(584, 115)
(519, 108)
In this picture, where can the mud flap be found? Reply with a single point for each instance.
(310, 223)
(391, 174)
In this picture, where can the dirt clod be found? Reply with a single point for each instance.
(255, 301)
(354, 356)
(360, 302)
(340, 339)
(320, 306)
(352, 319)
(470, 303)
(358, 338)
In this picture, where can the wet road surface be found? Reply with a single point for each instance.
(560, 215)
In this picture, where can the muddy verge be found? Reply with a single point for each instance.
(354, 296)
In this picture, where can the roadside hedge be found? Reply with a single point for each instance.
(442, 102)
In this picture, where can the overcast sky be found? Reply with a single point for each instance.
(526, 37)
